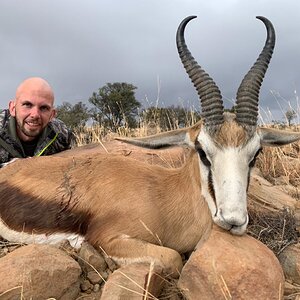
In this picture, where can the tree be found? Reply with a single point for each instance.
(290, 115)
(115, 105)
(73, 115)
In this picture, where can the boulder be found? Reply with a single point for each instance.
(39, 272)
(290, 262)
(232, 267)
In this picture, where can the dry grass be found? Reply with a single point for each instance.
(281, 163)
(275, 230)
(277, 162)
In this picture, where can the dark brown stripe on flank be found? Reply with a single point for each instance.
(26, 213)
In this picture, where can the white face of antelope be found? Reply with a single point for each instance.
(225, 164)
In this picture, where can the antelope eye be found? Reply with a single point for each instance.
(204, 158)
(252, 162)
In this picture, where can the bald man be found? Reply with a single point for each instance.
(28, 127)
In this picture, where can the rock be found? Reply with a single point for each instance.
(290, 262)
(90, 259)
(96, 288)
(94, 277)
(232, 267)
(39, 272)
(105, 274)
(86, 286)
(134, 281)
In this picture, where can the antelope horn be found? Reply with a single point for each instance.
(248, 92)
(209, 93)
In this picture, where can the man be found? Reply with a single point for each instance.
(28, 127)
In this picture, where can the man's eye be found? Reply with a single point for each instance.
(44, 108)
(27, 104)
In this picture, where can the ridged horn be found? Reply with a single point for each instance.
(248, 93)
(209, 93)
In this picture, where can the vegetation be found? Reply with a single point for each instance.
(169, 118)
(116, 110)
(73, 115)
(290, 115)
(115, 105)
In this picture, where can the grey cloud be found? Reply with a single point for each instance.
(78, 46)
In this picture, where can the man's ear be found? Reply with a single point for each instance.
(12, 107)
(53, 114)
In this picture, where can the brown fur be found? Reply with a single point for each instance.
(194, 131)
(230, 133)
(125, 206)
(22, 212)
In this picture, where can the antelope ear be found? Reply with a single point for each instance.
(179, 137)
(273, 137)
(161, 140)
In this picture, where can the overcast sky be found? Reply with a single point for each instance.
(80, 45)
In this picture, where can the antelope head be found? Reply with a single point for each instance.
(227, 144)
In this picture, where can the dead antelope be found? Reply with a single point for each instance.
(141, 212)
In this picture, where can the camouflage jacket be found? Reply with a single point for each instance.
(56, 137)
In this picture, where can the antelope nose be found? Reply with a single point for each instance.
(235, 220)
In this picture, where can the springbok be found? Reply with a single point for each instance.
(141, 212)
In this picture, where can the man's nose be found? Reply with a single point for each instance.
(35, 112)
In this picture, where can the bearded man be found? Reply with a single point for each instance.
(29, 127)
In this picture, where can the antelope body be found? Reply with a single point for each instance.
(141, 212)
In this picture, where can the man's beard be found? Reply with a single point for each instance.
(32, 132)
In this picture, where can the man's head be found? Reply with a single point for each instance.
(32, 107)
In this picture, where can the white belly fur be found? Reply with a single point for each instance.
(75, 240)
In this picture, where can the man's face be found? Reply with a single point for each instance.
(33, 109)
